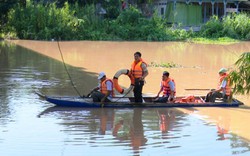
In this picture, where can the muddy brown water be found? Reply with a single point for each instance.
(196, 68)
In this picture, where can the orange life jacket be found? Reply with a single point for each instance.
(103, 88)
(228, 88)
(166, 87)
(136, 69)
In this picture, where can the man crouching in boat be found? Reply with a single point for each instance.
(106, 89)
(223, 89)
(168, 88)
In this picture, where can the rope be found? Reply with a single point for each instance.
(123, 95)
(67, 70)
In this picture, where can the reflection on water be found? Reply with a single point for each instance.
(143, 132)
(30, 125)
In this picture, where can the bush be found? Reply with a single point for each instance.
(212, 29)
(237, 26)
(43, 22)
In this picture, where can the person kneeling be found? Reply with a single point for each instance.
(168, 89)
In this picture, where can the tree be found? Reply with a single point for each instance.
(240, 77)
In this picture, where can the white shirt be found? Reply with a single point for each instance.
(223, 86)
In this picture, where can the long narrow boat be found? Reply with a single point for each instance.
(128, 102)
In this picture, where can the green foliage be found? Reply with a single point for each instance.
(237, 26)
(240, 77)
(129, 16)
(212, 29)
(221, 40)
(164, 65)
(5, 6)
(43, 22)
(179, 34)
(130, 25)
(75, 21)
(112, 7)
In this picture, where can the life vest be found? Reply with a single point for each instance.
(228, 88)
(166, 87)
(103, 88)
(136, 69)
(189, 98)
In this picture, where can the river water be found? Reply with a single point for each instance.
(30, 126)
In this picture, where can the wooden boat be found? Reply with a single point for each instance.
(128, 102)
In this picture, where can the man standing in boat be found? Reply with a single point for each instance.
(139, 71)
(106, 89)
(168, 88)
(223, 89)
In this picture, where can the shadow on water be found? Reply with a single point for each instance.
(22, 72)
(49, 74)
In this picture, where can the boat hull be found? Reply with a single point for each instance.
(128, 103)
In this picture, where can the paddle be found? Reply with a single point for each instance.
(196, 89)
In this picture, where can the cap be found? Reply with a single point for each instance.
(223, 70)
(165, 73)
(101, 74)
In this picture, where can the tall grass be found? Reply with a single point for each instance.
(236, 26)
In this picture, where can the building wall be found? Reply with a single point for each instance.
(186, 15)
(193, 12)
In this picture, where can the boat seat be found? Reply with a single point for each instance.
(227, 99)
(219, 100)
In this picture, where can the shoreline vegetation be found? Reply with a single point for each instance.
(220, 40)
(73, 22)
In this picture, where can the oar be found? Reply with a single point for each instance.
(197, 89)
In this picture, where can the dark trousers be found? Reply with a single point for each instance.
(212, 96)
(97, 97)
(162, 99)
(138, 90)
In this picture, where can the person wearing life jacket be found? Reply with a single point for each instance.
(168, 88)
(105, 87)
(139, 71)
(223, 89)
